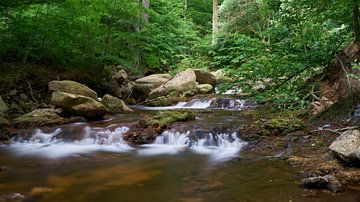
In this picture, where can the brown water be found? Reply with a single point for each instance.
(127, 176)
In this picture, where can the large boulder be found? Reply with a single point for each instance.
(346, 147)
(38, 117)
(114, 104)
(120, 84)
(3, 108)
(204, 77)
(78, 105)
(204, 88)
(72, 87)
(183, 82)
(146, 84)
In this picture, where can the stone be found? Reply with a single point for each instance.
(322, 182)
(114, 104)
(225, 103)
(78, 105)
(72, 87)
(346, 147)
(38, 117)
(204, 77)
(204, 88)
(221, 77)
(146, 84)
(280, 126)
(165, 101)
(184, 81)
(3, 108)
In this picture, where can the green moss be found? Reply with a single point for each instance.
(280, 126)
(167, 118)
(165, 101)
(37, 117)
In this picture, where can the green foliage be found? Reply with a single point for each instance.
(97, 33)
(279, 44)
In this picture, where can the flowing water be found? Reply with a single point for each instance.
(200, 160)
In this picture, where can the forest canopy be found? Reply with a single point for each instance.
(256, 40)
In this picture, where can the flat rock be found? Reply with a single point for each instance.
(38, 117)
(72, 87)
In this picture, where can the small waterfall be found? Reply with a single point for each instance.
(50, 146)
(58, 144)
(213, 103)
(220, 147)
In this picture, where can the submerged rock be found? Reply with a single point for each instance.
(79, 105)
(146, 84)
(3, 108)
(72, 87)
(183, 82)
(38, 117)
(114, 104)
(347, 147)
(204, 88)
(204, 77)
(323, 182)
(146, 130)
(225, 103)
(167, 118)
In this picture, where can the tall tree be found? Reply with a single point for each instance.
(356, 20)
(215, 20)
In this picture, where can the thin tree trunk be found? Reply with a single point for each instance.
(356, 20)
(185, 8)
(215, 20)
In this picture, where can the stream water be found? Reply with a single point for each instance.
(200, 160)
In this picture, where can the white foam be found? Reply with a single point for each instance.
(47, 145)
(221, 148)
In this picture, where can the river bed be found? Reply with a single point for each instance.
(201, 160)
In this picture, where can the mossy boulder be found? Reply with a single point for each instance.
(204, 88)
(280, 126)
(38, 117)
(167, 118)
(114, 104)
(184, 81)
(165, 101)
(146, 84)
(72, 87)
(3, 108)
(204, 77)
(79, 105)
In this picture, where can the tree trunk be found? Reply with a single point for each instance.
(185, 8)
(146, 5)
(356, 20)
(215, 20)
